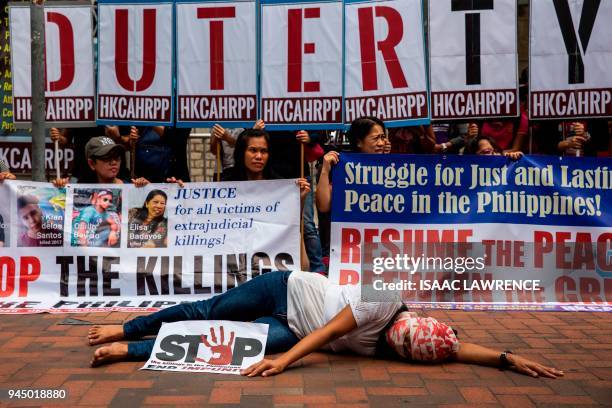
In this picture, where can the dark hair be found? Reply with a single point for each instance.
(239, 171)
(143, 212)
(472, 145)
(25, 200)
(360, 128)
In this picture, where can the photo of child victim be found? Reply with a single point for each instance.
(96, 218)
(41, 215)
(147, 224)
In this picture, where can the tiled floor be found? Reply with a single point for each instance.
(38, 352)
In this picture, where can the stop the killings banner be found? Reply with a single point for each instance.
(475, 232)
(570, 56)
(116, 247)
(69, 89)
(473, 58)
(135, 57)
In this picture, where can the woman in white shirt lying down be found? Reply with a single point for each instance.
(305, 312)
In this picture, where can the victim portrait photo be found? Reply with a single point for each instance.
(96, 218)
(40, 211)
(147, 219)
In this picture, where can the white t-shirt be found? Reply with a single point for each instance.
(312, 301)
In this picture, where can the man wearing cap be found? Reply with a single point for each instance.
(104, 159)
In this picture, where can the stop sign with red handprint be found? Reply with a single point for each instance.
(221, 350)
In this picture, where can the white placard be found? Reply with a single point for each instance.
(578, 83)
(95, 247)
(217, 62)
(135, 57)
(385, 73)
(69, 89)
(208, 346)
(473, 58)
(301, 64)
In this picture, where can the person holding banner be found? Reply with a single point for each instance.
(305, 312)
(104, 159)
(251, 157)
(485, 146)
(366, 135)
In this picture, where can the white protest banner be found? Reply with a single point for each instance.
(301, 64)
(69, 91)
(475, 232)
(385, 73)
(473, 58)
(570, 55)
(135, 55)
(208, 346)
(93, 247)
(216, 63)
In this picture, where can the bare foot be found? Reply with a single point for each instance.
(109, 354)
(104, 334)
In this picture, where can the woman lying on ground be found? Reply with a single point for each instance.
(305, 312)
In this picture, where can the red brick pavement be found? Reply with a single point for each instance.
(38, 352)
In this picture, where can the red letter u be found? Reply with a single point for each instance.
(148, 50)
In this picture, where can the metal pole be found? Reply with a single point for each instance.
(37, 32)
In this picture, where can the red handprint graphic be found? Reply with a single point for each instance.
(222, 353)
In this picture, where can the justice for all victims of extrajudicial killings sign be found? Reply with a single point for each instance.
(116, 247)
(314, 64)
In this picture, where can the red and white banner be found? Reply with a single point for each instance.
(301, 63)
(473, 59)
(208, 346)
(95, 247)
(570, 55)
(69, 91)
(135, 47)
(385, 73)
(217, 62)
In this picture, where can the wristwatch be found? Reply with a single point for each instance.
(503, 359)
(444, 147)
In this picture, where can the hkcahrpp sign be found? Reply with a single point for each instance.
(135, 54)
(216, 63)
(385, 73)
(301, 71)
(209, 346)
(570, 59)
(473, 58)
(69, 87)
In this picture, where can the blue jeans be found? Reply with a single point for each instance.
(312, 242)
(261, 300)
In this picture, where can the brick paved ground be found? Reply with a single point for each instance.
(38, 352)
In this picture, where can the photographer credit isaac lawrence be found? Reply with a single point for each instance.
(458, 265)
